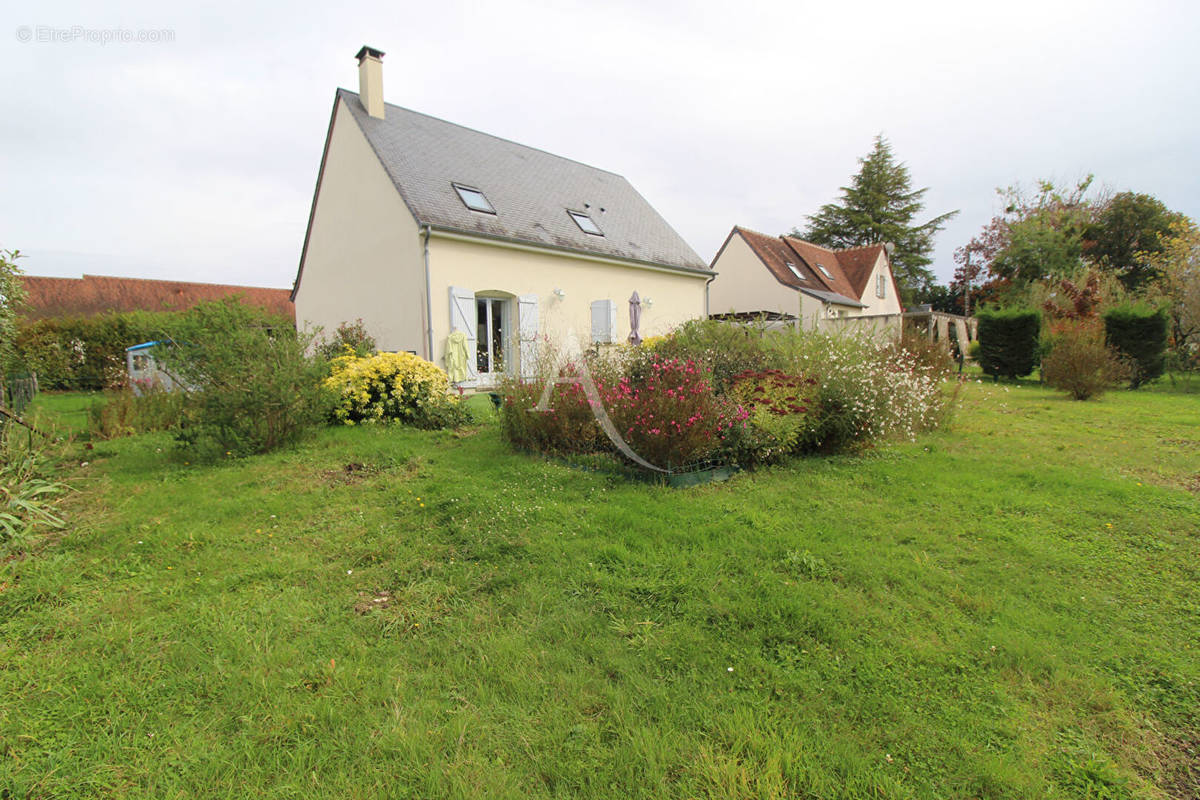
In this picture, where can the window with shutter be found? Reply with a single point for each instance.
(604, 322)
(527, 325)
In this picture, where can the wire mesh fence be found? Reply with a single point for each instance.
(17, 392)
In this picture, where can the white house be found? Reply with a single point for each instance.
(787, 278)
(420, 227)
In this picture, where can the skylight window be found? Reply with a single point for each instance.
(585, 223)
(473, 199)
(795, 271)
(824, 271)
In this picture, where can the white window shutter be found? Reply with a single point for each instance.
(527, 326)
(604, 322)
(463, 318)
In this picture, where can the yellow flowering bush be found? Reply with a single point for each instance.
(653, 342)
(392, 386)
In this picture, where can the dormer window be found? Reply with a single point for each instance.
(473, 199)
(796, 272)
(824, 271)
(585, 223)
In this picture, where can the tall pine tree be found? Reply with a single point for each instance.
(877, 207)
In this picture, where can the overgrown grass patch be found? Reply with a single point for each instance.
(1004, 609)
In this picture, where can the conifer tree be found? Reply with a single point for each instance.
(878, 207)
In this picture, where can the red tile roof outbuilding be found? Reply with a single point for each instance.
(98, 294)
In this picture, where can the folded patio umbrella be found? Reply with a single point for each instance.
(635, 319)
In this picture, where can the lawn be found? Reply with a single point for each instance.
(1008, 608)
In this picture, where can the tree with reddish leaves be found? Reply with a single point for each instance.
(1076, 303)
(1038, 236)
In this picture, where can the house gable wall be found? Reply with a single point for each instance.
(876, 305)
(744, 284)
(364, 255)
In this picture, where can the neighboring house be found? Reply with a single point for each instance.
(99, 294)
(783, 277)
(421, 227)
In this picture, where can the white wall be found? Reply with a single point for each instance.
(890, 303)
(365, 256)
(744, 284)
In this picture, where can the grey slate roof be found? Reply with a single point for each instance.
(832, 297)
(530, 189)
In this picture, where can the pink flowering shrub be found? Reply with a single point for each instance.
(672, 417)
(668, 414)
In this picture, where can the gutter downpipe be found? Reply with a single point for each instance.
(707, 284)
(428, 303)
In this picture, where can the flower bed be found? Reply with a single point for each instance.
(683, 403)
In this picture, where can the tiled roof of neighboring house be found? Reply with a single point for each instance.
(531, 190)
(818, 257)
(776, 252)
(97, 294)
(858, 263)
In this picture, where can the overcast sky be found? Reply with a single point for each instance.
(194, 157)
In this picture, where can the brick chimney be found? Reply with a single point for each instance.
(370, 80)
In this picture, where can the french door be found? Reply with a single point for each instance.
(492, 318)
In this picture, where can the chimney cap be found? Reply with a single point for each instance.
(367, 51)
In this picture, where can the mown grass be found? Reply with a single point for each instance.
(1005, 609)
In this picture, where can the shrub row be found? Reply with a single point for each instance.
(1010, 346)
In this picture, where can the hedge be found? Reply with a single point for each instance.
(1139, 333)
(85, 352)
(1008, 341)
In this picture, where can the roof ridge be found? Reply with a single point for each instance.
(492, 136)
(810, 244)
(756, 233)
(859, 247)
(170, 280)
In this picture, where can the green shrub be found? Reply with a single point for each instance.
(1139, 333)
(567, 426)
(124, 413)
(350, 337)
(1080, 364)
(255, 389)
(398, 387)
(12, 295)
(777, 406)
(726, 349)
(1008, 341)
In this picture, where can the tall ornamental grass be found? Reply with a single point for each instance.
(28, 491)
